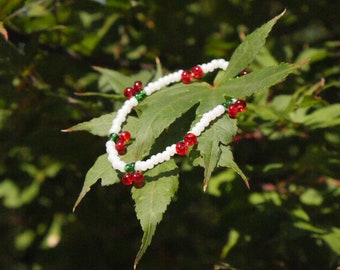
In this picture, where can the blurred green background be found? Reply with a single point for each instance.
(289, 219)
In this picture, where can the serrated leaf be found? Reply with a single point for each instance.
(100, 170)
(152, 200)
(257, 80)
(227, 160)
(324, 117)
(209, 144)
(97, 126)
(116, 81)
(247, 51)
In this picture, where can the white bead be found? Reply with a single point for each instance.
(154, 159)
(150, 88)
(140, 166)
(149, 165)
(110, 146)
(147, 90)
(117, 163)
(114, 129)
(204, 68)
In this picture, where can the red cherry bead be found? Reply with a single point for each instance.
(129, 92)
(186, 76)
(244, 72)
(241, 105)
(181, 148)
(120, 147)
(232, 111)
(137, 86)
(137, 177)
(197, 72)
(139, 185)
(190, 139)
(127, 179)
(125, 136)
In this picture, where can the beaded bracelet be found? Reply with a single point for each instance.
(117, 138)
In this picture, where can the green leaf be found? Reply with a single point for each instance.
(152, 200)
(233, 237)
(116, 81)
(247, 51)
(101, 169)
(257, 80)
(324, 117)
(311, 197)
(209, 144)
(97, 126)
(227, 160)
(333, 239)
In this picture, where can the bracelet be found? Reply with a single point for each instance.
(117, 138)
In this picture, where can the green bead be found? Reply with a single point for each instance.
(140, 96)
(114, 137)
(130, 167)
(230, 101)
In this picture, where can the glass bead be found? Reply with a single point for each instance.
(232, 111)
(230, 101)
(125, 136)
(137, 177)
(244, 72)
(137, 86)
(130, 167)
(129, 92)
(139, 185)
(241, 105)
(181, 148)
(120, 147)
(197, 72)
(186, 76)
(190, 139)
(140, 96)
(114, 137)
(127, 179)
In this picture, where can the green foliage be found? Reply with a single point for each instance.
(176, 100)
(65, 62)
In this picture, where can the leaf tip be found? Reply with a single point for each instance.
(247, 183)
(302, 62)
(205, 186)
(66, 130)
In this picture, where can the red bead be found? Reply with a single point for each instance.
(244, 72)
(129, 92)
(139, 185)
(186, 76)
(190, 139)
(137, 86)
(125, 136)
(137, 177)
(181, 148)
(232, 111)
(197, 72)
(241, 105)
(120, 147)
(127, 179)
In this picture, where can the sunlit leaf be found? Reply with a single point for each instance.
(247, 51)
(97, 126)
(152, 200)
(102, 169)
